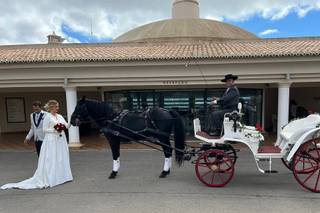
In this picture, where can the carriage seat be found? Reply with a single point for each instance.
(201, 135)
(300, 126)
(206, 135)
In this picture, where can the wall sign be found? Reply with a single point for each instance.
(169, 82)
(15, 108)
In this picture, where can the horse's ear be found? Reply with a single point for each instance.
(82, 100)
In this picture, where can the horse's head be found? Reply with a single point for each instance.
(80, 113)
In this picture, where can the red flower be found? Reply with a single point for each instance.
(60, 127)
(259, 128)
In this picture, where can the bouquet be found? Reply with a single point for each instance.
(60, 127)
(259, 128)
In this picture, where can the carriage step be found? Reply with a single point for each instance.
(270, 171)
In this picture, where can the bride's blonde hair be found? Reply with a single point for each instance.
(50, 105)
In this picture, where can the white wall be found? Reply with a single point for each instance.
(29, 97)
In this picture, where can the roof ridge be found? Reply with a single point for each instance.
(187, 41)
(178, 50)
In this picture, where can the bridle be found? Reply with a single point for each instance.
(81, 115)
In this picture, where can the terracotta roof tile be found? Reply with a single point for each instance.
(160, 51)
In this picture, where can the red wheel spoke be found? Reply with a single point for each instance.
(313, 163)
(296, 162)
(212, 178)
(203, 164)
(226, 171)
(228, 165)
(205, 174)
(316, 186)
(318, 152)
(310, 157)
(309, 176)
(219, 174)
(227, 161)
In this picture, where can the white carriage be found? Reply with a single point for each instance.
(298, 146)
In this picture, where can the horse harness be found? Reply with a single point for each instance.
(117, 121)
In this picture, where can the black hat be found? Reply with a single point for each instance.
(229, 76)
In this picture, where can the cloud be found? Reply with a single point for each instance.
(23, 21)
(268, 9)
(268, 32)
(302, 12)
(30, 21)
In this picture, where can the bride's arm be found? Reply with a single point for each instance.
(63, 121)
(47, 127)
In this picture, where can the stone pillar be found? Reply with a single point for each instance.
(71, 98)
(283, 105)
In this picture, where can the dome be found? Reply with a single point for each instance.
(195, 28)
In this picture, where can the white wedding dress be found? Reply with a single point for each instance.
(54, 163)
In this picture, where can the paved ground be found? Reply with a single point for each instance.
(138, 188)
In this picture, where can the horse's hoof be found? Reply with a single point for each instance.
(164, 174)
(113, 175)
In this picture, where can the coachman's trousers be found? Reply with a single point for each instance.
(217, 119)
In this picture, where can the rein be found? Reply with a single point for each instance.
(93, 120)
(143, 136)
(120, 117)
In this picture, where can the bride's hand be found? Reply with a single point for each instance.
(68, 125)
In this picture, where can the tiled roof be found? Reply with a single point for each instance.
(232, 49)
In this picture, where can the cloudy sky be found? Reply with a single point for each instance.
(30, 21)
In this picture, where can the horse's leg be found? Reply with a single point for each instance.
(167, 150)
(115, 148)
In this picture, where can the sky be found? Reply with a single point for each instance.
(98, 21)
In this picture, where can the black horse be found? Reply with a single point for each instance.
(155, 124)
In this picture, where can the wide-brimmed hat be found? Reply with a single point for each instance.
(229, 76)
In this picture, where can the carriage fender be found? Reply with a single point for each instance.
(305, 137)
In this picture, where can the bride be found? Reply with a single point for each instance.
(53, 165)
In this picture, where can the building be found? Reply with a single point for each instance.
(175, 63)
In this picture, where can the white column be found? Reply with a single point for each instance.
(102, 96)
(283, 105)
(71, 97)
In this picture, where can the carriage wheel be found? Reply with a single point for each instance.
(287, 164)
(214, 168)
(227, 148)
(306, 165)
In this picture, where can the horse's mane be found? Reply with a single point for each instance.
(99, 110)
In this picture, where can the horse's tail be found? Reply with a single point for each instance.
(179, 136)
